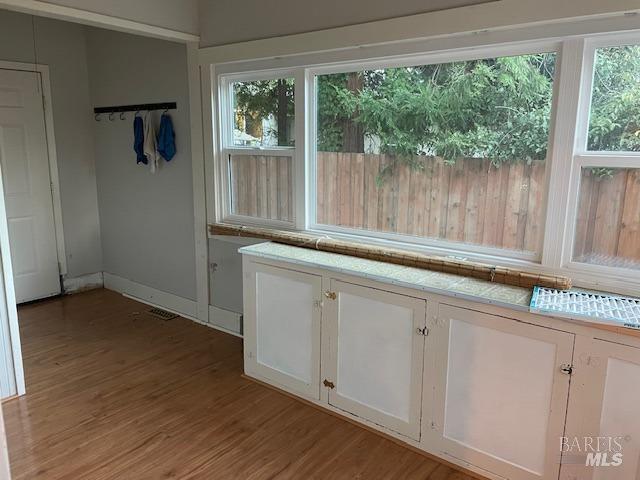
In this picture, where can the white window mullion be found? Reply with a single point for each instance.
(311, 146)
(300, 158)
(584, 107)
(225, 116)
(224, 184)
(221, 167)
(568, 96)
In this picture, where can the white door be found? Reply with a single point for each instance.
(375, 355)
(27, 185)
(500, 394)
(603, 419)
(282, 314)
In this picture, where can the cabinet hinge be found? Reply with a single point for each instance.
(566, 368)
(422, 331)
(328, 384)
(330, 295)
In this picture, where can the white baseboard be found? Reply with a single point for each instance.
(157, 298)
(225, 320)
(83, 282)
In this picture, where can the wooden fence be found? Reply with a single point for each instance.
(608, 224)
(261, 186)
(470, 201)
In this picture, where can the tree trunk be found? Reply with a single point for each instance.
(283, 110)
(352, 131)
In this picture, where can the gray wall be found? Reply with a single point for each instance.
(227, 21)
(225, 274)
(146, 220)
(61, 46)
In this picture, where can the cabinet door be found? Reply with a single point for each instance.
(603, 417)
(500, 394)
(375, 355)
(282, 327)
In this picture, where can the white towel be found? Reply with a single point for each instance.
(150, 142)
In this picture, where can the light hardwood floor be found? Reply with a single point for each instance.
(114, 393)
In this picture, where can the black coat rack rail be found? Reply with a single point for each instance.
(142, 107)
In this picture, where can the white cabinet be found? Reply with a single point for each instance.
(490, 393)
(500, 393)
(374, 344)
(282, 311)
(603, 418)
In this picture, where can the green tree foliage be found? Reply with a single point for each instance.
(492, 108)
(614, 123)
(496, 108)
(260, 99)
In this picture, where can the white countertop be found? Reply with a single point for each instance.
(416, 278)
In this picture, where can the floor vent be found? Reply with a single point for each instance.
(162, 314)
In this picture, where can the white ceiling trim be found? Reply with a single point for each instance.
(59, 12)
(476, 19)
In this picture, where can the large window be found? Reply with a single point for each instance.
(451, 151)
(511, 154)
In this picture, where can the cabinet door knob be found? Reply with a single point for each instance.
(328, 384)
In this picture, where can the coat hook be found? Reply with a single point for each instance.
(122, 117)
(111, 117)
(97, 117)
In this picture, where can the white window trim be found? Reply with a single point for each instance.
(228, 148)
(567, 145)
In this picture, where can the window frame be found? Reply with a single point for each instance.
(227, 147)
(582, 157)
(568, 130)
(447, 247)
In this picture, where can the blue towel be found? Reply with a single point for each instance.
(138, 140)
(166, 138)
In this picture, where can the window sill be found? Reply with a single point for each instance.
(583, 276)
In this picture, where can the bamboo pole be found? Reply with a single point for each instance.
(491, 273)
